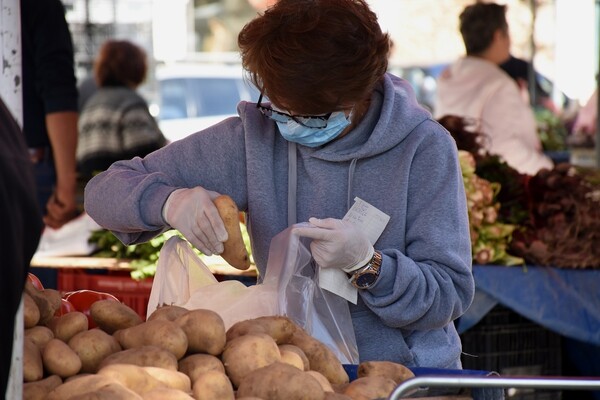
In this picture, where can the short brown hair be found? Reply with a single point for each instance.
(120, 63)
(478, 23)
(315, 56)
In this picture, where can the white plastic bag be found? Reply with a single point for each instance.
(182, 279)
(289, 288)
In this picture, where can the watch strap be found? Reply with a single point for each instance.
(362, 263)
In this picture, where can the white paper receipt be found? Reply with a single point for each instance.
(370, 220)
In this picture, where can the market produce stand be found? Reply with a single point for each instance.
(113, 276)
(215, 264)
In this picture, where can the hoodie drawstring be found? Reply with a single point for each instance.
(293, 183)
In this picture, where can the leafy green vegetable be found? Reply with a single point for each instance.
(143, 256)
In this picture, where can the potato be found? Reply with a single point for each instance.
(110, 315)
(196, 364)
(247, 353)
(336, 396)
(280, 381)
(168, 312)
(235, 252)
(325, 385)
(132, 377)
(213, 385)
(166, 394)
(31, 312)
(145, 356)
(40, 335)
(205, 331)
(47, 300)
(280, 328)
(172, 379)
(387, 369)
(161, 333)
(78, 386)
(59, 359)
(320, 357)
(68, 325)
(33, 368)
(292, 358)
(111, 391)
(370, 387)
(290, 348)
(39, 389)
(92, 346)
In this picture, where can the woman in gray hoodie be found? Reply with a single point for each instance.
(336, 127)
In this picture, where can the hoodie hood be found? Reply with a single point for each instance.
(393, 113)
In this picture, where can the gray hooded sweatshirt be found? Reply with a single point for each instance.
(398, 159)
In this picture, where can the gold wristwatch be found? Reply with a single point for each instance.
(366, 276)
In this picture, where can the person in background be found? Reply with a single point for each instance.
(476, 87)
(115, 122)
(50, 113)
(587, 118)
(21, 229)
(520, 70)
(330, 125)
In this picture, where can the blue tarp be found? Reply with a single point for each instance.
(566, 301)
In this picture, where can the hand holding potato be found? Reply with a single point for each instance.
(193, 213)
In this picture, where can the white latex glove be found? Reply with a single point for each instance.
(337, 244)
(193, 213)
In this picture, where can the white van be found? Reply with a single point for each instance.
(193, 96)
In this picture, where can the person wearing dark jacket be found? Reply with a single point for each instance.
(115, 123)
(21, 229)
(50, 107)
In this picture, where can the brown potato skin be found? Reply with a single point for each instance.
(68, 325)
(387, 369)
(161, 333)
(31, 312)
(196, 364)
(79, 386)
(33, 367)
(39, 389)
(235, 252)
(295, 349)
(280, 381)
(213, 385)
(320, 357)
(279, 327)
(110, 315)
(144, 356)
(59, 359)
(370, 387)
(166, 394)
(247, 353)
(205, 331)
(93, 346)
(168, 312)
(40, 335)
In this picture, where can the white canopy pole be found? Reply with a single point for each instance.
(11, 94)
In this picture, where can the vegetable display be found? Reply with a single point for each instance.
(187, 354)
(556, 212)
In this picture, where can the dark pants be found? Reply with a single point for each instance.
(45, 179)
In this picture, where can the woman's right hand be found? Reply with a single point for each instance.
(193, 213)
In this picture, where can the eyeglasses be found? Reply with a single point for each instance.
(309, 121)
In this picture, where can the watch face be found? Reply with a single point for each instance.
(366, 279)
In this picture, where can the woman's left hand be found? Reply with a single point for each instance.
(337, 244)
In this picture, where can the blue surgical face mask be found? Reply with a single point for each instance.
(314, 137)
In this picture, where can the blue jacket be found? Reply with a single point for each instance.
(398, 159)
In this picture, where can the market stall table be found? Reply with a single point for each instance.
(113, 276)
(565, 301)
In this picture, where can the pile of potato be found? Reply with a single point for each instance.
(183, 354)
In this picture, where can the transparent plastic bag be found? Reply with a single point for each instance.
(323, 314)
(290, 287)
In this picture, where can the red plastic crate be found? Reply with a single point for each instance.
(132, 292)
